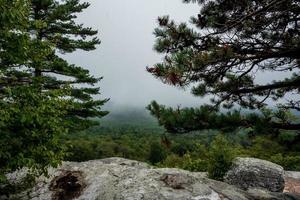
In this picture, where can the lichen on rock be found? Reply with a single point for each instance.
(122, 179)
(248, 173)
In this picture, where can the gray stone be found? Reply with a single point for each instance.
(121, 179)
(292, 174)
(248, 173)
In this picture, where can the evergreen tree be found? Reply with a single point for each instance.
(36, 107)
(53, 23)
(157, 153)
(13, 40)
(31, 122)
(230, 44)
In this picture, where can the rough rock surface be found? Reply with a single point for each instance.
(250, 173)
(121, 179)
(292, 182)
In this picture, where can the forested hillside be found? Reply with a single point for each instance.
(219, 80)
(139, 137)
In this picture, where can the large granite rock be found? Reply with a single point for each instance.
(248, 173)
(121, 179)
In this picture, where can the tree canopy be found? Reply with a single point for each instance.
(52, 32)
(41, 95)
(55, 23)
(30, 121)
(225, 49)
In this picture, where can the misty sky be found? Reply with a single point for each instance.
(126, 32)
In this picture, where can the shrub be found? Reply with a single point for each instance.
(31, 126)
(194, 165)
(182, 148)
(221, 154)
(157, 153)
(185, 162)
(172, 161)
(288, 162)
(264, 147)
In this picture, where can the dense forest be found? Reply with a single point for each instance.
(134, 134)
(51, 110)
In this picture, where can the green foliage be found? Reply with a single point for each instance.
(181, 148)
(197, 151)
(31, 126)
(103, 143)
(32, 53)
(194, 165)
(217, 57)
(288, 162)
(263, 147)
(36, 106)
(83, 150)
(54, 22)
(157, 153)
(195, 159)
(275, 150)
(287, 136)
(184, 120)
(220, 159)
(184, 162)
(133, 138)
(172, 161)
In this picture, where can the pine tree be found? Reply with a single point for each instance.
(13, 40)
(229, 44)
(37, 107)
(53, 23)
(31, 122)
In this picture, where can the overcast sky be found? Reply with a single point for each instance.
(126, 32)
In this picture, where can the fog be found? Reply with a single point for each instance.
(126, 33)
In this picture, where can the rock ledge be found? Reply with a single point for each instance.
(121, 179)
